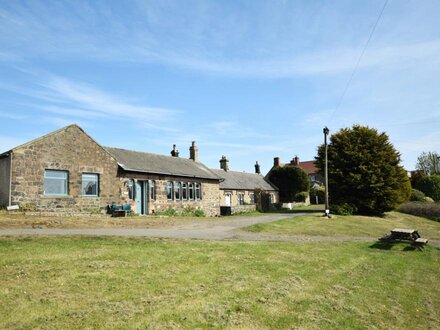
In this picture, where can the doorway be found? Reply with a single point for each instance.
(142, 197)
(228, 199)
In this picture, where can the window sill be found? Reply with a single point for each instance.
(57, 196)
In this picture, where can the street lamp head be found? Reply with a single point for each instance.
(326, 130)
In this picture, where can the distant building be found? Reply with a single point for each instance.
(308, 166)
(237, 189)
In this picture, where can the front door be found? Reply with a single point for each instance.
(142, 197)
(228, 199)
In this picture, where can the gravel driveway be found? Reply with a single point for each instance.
(226, 228)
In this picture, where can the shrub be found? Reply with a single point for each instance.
(417, 196)
(168, 212)
(301, 197)
(28, 207)
(343, 209)
(427, 210)
(364, 171)
(430, 186)
(428, 200)
(199, 213)
(320, 192)
(188, 211)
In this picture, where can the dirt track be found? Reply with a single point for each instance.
(224, 229)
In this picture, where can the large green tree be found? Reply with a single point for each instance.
(364, 171)
(290, 180)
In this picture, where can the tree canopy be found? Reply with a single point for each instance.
(364, 171)
(290, 180)
(428, 163)
(430, 186)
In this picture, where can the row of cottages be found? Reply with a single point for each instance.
(67, 171)
(237, 189)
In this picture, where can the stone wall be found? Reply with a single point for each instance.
(5, 168)
(209, 203)
(71, 150)
(243, 208)
(247, 199)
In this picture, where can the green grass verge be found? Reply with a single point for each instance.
(85, 282)
(358, 226)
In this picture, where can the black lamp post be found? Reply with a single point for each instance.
(327, 209)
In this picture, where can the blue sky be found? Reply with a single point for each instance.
(251, 80)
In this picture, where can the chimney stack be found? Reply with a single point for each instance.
(257, 168)
(276, 161)
(194, 152)
(174, 152)
(295, 161)
(224, 164)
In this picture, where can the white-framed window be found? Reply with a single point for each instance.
(131, 189)
(178, 191)
(169, 190)
(184, 191)
(198, 187)
(251, 198)
(90, 184)
(191, 191)
(56, 182)
(153, 190)
(240, 198)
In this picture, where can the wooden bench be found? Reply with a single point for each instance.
(420, 242)
(405, 235)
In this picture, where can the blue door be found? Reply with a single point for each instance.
(142, 197)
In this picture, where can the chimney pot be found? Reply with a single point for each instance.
(174, 152)
(257, 168)
(194, 152)
(276, 161)
(224, 163)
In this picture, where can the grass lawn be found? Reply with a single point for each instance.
(361, 226)
(93, 282)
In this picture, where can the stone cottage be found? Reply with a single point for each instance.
(67, 171)
(237, 189)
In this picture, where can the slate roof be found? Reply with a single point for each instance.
(242, 181)
(136, 161)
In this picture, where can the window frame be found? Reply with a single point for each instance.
(170, 190)
(240, 198)
(178, 191)
(251, 198)
(97, 184)
(198, 191)
(191, 191)
(184, 191)
(65, 179)
(153, 190)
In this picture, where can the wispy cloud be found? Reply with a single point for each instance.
(203, 43)
(70, 99)
(100, 102)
